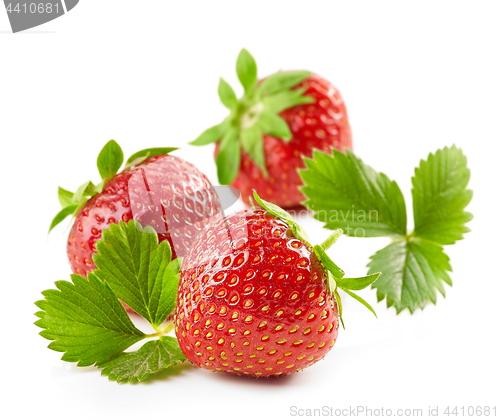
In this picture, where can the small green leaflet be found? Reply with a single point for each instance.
(138, 269)
(346, 194)
(227, 95)
(440, 196)
(413, 272)
(414, 267)
(86, 321)
(246, 69)
(150, 358)
(110, 160)
(229, 157)
(142, 155)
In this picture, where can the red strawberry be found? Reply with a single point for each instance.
(256, 298)
(156, 189)
(279, 120)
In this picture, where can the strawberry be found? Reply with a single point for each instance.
(277, 122)
(156, 189)
(256, 298)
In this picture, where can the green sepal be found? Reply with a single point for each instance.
(253, 145)
(227, 95)
(210, 135)
(65, 212)
(339, 304)
(328, 263)
(246, 69)
(282, 80)
(87, 189)
(229, 158)
(281, 101)
(65, 197)
(274, 125)
(358, 283)
(110, 160)
(360, 300)
(140, 156)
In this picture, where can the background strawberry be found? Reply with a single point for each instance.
(256, 298)
(279, 120)
(156, 189)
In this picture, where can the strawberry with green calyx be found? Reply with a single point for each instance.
(280, 119)
(256, 298)
(154, 188)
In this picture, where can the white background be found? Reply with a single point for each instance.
(416, 76)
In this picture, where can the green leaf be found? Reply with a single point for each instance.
(282, 81)
(274, 125)
(246, 69)
(130, 260)
(345, 193)
(286, 99)
(110, 160)
(273, 209)
(65, 212)
(253, 144)
(440, 196)
(360, 300)
(142, 155)
(339, 303)
(65, 197)
(210, 135)
(229, 158)
(152, 357)
(227, 95)
(86, 321)
(412, 272)
(358, 283)
(168, 297)
(87, 189)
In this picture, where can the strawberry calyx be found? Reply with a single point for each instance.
(252, 116)
(336, 279)
(109, 162)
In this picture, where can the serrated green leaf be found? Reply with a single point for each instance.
(211, 135)
(274, 125)
(282, 100)
(65, 197)
(412, 271)
(65, 212)
(345, 193)
(152, 357)
(253, 144)
(229, 158)
(85, 320)
(227, 95)
(246, 69)
(142, 155)
(358, 283)
(110, 160)
(132, 262)
(282, 81)
(440, 196)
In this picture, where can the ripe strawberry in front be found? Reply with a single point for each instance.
(256, 298)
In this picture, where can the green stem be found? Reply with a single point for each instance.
(332, 239)
(162, 331)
